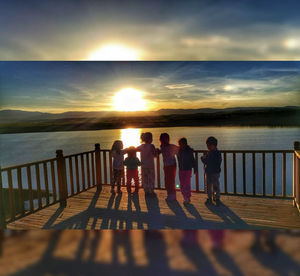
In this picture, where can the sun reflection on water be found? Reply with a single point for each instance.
(131, 137)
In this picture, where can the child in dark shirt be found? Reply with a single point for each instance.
(132, 163)
(212, 162)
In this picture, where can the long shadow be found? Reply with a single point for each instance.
(198, 257)
(84, 220)
(231, 219)
(277, 260)
(53, 218)
(114, 220)
(105, 221)
(226, 261)
(121, 239)
(156, 252)
(136, 202)
(193, 211)
(180, 216)
(155, 219)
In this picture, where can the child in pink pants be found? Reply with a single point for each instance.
(168, 152)
(186, 163)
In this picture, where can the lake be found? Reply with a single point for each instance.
(28, 147)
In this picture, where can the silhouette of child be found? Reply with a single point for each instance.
(186, 162)
(131, 163)
(212, 163)
(148, 153)
(117, 153)
(168, 152)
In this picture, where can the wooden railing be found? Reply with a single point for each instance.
(33, 186)
(296, 175)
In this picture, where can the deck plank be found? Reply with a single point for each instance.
(100, 210)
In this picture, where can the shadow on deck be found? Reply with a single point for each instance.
(94, 209)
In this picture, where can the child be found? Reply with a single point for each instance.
(148, 153)
(168, 152)
(118, 156)
(212, 162)
(186, 162)
(132, 163)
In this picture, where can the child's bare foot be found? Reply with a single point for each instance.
(187, 201)
(113, 191)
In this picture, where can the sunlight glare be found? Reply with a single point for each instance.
(114, 52)
(129, 99)
(131, 137)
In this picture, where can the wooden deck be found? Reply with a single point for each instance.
(74, 253)
(93, 209)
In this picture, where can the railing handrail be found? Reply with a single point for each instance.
(27, 164)
(108, 150)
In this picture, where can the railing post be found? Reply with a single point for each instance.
(62, 179)
(98, 166)
(2, 210)
(296, 175)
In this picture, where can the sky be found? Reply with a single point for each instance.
(150, 30)
(92, 86)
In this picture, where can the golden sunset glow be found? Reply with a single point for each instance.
(114, 52)
(129, 99)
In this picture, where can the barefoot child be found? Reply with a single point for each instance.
(117, 153)
(168, 152)
(132, 163)
(148, 153)
(186, 163)
(212, 162)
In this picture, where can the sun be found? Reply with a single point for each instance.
(129, 99)
(114, 52)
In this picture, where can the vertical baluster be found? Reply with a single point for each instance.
(253, 173)
(264, 172)
(11, 195)
(82, 172)
(21, 193)
(38, 185)
(234, 172)
(98, 167)
(284, 174)
(2, 208)
(30, 188)
(77, 174)
(105, 167)
(244, 174)
(197, 173)
(274, 174)
(93, 168)
(88, 170)
(46, 182)
(158, 171)
(53, 182)
(71, 175)
(225, 172)
(110, 168)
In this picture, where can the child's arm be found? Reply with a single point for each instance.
(194, 163)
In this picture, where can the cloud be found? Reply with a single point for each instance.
(179, 86)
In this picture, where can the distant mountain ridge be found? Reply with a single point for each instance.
(8, 116)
